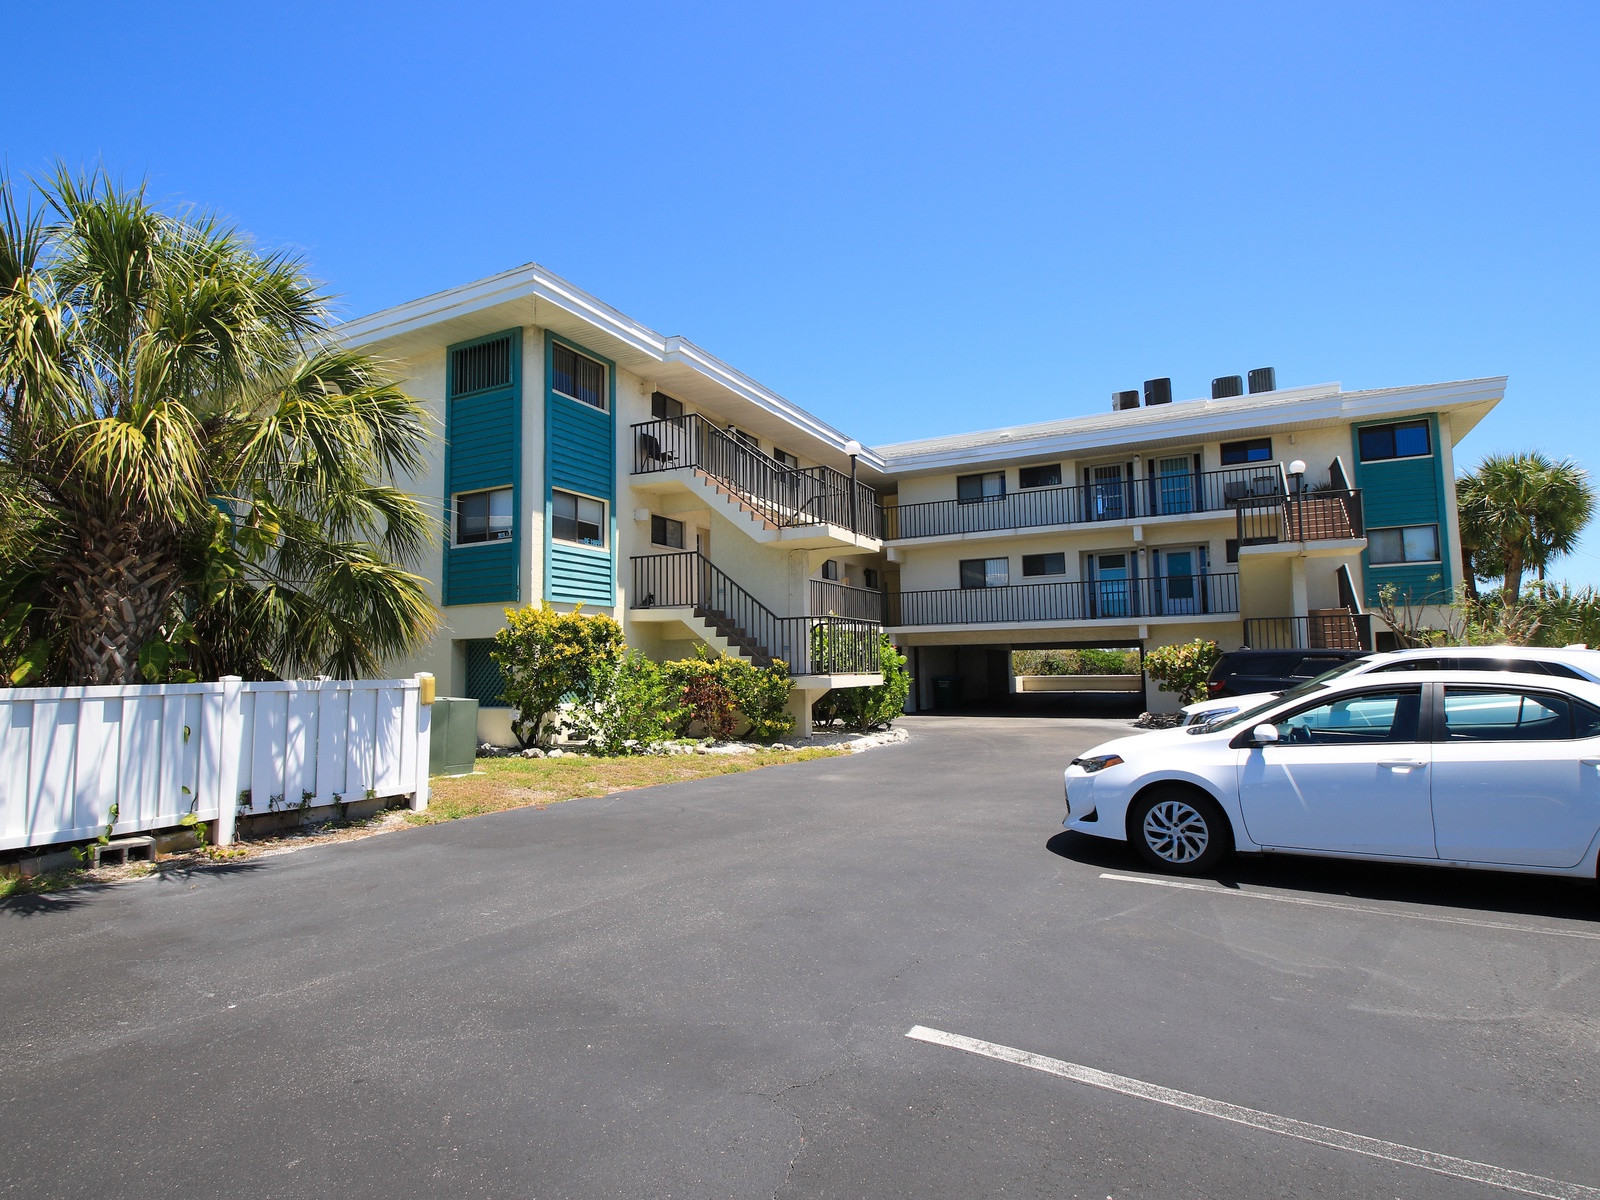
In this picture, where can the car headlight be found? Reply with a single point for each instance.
(1098, 762)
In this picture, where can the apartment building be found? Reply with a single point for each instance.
(585, 459)
(1273, 518)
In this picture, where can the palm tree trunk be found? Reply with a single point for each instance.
(116, 591)
(1513, 584)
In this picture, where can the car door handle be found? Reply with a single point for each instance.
(1401, 762)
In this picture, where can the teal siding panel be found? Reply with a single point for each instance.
(483, 449)
(485, 680)
(1407, 491)
(580, 456)
(481, 574)
(579, 576)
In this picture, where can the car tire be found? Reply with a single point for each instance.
(1179, 829)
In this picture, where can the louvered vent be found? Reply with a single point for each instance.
(477, 368)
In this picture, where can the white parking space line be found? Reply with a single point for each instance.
(1321, 1135)
(1307, 902)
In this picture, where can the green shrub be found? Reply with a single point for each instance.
(1183, 668)
(716, 690)
(633, 704)
(548, 657)
(862, 709)
(1075, 662)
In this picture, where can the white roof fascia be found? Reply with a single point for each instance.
(1191, 420)
(534, 282)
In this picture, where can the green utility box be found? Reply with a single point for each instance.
(947, 691)
(453, 742)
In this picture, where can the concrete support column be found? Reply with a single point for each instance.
(799, 707)
(1299, 603)
(797, 583)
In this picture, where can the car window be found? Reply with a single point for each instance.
(1310, 667)
(1411, 664)
(1585, 720)
(1476, 715)
(1296, 692)
(1389, 716)
(1259, 665)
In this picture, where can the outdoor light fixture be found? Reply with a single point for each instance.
(852, 448)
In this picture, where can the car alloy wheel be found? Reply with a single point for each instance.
(1176, 832)
(1178, 828)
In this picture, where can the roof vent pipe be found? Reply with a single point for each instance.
(1263, 379)
(1225, 386)
(1157, 391)
(1122, 401)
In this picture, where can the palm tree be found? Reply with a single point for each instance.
(195, 469)
(1521, 511)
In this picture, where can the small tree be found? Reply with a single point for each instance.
(633, 705)
(1183, 668)
(548, 657)
(862, 709)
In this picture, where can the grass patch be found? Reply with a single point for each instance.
(69, 877)
(519, 782)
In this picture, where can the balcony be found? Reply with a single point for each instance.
(829, 598)
(1125, 500)
(776, 497)
(687, 586)
(1290, 522)
(1123, 600)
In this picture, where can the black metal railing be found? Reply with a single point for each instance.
(830, 598)
(1308, 517)
(1086, 600)
(1320, 631)
(1122, 500)
(809, 645)
(785, 496)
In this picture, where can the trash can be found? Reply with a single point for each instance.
(453, 740)
(947, 691)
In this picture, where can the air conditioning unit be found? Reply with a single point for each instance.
(1157, 391)
(1263, 379)
(1122, 401)
(1227, 385)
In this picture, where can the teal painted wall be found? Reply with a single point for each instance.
(1407, 491)
(580, 456)
(483, 449)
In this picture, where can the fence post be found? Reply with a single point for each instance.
(425, 694)
(232, 734)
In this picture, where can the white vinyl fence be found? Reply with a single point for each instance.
(216, 750)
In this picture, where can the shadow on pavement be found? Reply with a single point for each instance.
(1344, 879)
(39, 904)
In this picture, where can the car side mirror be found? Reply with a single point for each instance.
(1264, 735)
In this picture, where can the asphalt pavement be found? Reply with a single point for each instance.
(705, 990)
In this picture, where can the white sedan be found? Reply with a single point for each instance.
(1454, 768)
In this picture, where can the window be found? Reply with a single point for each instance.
(577, 519)
(830, 569)
(1408, 440)
(1353, 720)
(664, 531)
(985, 572)
(971, 489)
(785, 458)
(1257, 450)
(748, 439)
(1049, 475)
(1044, 564)
(577, 377)
(1485, 716)
(1403, 544)
(480, 367)
(664, 408)
(869, 578)
(1311, 666)
(1230, 550)
(483, 516)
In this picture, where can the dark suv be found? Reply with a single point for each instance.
(1241, 672)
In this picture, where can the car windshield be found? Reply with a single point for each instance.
(1243, 716)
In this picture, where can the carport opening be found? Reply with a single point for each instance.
(1069, 679)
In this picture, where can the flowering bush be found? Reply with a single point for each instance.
(1183, 668)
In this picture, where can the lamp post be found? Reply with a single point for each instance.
(1297, 469)
(853, 449)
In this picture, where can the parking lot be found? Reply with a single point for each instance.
(706, 990)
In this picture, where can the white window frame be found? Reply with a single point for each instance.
(605, 383)
(455, 517)
(1438, 542)
(605, 520)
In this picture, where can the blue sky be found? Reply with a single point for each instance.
(912, 219)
